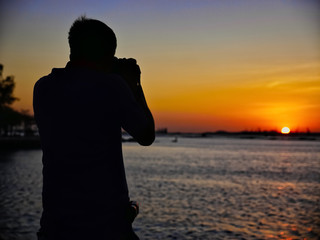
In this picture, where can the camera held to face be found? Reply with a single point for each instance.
(128, 69)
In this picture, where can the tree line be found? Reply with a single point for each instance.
(12, 122)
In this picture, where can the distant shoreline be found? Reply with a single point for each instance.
(33, 142)
(272, 135)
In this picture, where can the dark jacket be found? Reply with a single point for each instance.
(80, 113)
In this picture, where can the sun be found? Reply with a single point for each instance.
(285, 130)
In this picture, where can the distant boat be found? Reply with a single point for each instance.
(175, 140)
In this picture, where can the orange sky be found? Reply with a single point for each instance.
(206, 65)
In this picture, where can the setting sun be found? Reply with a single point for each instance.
(285, 130)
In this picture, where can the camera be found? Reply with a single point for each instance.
(128, 69)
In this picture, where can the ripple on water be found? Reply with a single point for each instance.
(193, 189)
(20, 191)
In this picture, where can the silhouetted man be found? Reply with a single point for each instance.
(80, 110)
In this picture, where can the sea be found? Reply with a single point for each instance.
(192, 188)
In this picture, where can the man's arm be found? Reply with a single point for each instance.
(145, 134)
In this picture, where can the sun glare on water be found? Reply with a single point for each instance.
(285, 130)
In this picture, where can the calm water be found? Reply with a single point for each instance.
(193, 189)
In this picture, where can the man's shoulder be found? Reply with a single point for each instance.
(48, 79)
(54, 72)
(59, 76)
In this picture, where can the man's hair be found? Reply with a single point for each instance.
(90, 39)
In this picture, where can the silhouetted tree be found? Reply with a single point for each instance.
(10, 118)
(7, 86)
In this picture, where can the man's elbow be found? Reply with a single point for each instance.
(147, 136)
(146, 139)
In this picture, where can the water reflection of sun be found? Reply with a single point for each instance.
(285, 130)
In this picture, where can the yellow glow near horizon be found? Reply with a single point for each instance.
(285, 130)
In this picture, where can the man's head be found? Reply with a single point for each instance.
(91, 40)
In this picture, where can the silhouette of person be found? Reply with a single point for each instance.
(80, 110)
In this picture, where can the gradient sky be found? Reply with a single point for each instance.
(206, 65)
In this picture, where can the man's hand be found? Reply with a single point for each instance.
(129, 70)
(132, 211)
